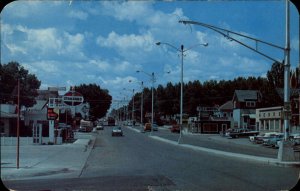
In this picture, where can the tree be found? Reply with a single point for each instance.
(276, 75)
(10, 73)
(99, 99)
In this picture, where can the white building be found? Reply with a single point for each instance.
(270, 119)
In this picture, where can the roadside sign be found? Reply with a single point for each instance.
(72, 98)
(52, 113)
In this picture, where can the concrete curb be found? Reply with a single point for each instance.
(271, 161)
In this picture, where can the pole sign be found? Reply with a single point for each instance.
(72, 98)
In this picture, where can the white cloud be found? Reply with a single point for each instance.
(43, 39)
(78, 14)
(102, 65)
(42, 42)
(127, 42)
(130, 10)
(14, 49)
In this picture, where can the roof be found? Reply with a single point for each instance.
(40, 104)
(46, 94)
(226, 106)
(244, 95)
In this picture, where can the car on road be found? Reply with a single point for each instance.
(117, 131)
(99, 127)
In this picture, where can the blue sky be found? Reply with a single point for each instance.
(68, 43)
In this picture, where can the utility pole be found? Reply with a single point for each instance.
(18, 127)
(287, 103)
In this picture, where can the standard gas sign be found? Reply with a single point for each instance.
(72, 98)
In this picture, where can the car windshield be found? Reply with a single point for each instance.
(149, 95)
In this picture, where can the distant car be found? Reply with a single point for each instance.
(147, 127)
(175, 128)
(99, 127)
(82, 130)
(155, 127)
(117, 131)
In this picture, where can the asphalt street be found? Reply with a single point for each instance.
(137, 162)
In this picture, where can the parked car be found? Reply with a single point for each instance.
(155, 127)
(295, 138)
(147, 127)
(117, 131)
(175, 128)
(273, 140)
(259, 138)
(235, 133)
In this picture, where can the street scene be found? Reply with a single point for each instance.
(150, 95)
(137, 161)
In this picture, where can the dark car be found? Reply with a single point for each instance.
(117, 131)
(147, 127)
(175, 128)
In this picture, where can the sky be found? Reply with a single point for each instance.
(67, 43)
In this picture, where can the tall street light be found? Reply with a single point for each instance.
(152, 80)
(181, 50)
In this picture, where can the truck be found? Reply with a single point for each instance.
(86, 126)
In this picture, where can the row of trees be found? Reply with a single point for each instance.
(12, 72)
(210, 93)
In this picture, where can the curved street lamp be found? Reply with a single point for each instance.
(181, 50)
(287, 105)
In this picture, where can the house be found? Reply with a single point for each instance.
(37, 114)
(245, 103)
(210, 121)
(226, 110)
(8, 119)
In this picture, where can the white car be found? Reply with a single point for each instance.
(100, 127)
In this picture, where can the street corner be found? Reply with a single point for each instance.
(28, 173)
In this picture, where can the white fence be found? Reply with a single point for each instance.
(11, 141)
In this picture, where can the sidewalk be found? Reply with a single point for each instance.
(215, 144)
(46, 161)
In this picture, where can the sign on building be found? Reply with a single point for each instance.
(72, 98)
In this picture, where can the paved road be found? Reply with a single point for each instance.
(136, 162)
(241, 145)
(178, 168)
